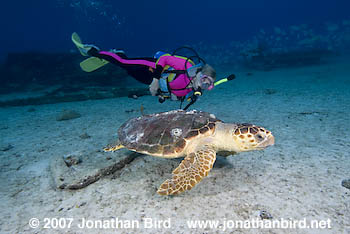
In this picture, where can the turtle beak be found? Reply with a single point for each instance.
(270, 140)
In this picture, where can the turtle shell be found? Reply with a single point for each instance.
(165, 134)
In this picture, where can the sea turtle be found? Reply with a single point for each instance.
(195, 135)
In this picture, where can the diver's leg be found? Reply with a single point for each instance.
(139, 68)
(121, 59)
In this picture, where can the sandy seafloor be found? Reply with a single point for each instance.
(307, 109)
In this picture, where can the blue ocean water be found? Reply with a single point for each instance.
(253, 34)
(144, 27)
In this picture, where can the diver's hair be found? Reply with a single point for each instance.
(209, 71)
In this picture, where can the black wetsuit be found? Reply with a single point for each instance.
(142, 69)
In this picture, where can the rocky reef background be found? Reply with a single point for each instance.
(292, 46)
(51, 78)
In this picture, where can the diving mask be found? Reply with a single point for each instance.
(206, 82)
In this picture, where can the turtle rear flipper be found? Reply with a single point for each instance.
(191, 171)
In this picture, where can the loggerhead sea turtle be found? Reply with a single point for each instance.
(195, 135)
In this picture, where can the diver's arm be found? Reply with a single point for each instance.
(158, 71)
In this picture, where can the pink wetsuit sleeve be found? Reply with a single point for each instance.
(175, 62)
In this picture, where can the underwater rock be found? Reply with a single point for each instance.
(141, 110)
(134, 96)
(264, 60)
(67, 115)
(71, 160)
(332, 27)
(85, 136)
(4, 127)
(346, 183)
(270, 91)
(57, 77)
(32, 70)
(6, 147)
(70, 94)
(265, 215)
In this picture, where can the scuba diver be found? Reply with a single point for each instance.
(169, 76)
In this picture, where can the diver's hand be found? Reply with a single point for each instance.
(173, 97)
(154, 86)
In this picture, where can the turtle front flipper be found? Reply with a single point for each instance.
(191, 170)
(113, 147)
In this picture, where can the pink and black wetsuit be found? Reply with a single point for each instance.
(145, 69)
(179, 83)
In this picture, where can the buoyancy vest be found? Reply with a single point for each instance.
(177, 74)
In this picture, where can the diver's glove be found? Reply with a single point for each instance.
(154, 87)
(173, 97)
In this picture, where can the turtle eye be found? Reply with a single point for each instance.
(259, 137)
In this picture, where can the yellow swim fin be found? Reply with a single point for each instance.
(92, 64)
(77, 41)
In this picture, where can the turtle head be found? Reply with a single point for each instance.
(249, 137)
